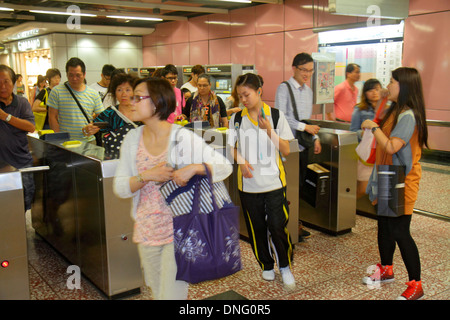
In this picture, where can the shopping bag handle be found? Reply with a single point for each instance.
(196, 200)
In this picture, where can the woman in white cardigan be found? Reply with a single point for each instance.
(148, 157)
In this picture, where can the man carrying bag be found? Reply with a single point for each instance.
(295, 98)
(65, 114)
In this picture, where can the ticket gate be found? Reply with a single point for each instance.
(335, 211)
(76, 212)
(14, 280)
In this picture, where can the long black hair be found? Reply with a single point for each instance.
(410, 97)
(368, 85)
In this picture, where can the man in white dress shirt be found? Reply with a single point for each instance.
(302, 68)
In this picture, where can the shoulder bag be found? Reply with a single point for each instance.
(112, 141)
(304, 138)
(39, 117)
(98, 135)
(207, 245)
(391, 189)
(180, 199)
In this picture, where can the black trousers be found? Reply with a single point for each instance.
(392, 231)
(28, 188)
(266, 216)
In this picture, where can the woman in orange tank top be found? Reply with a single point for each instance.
(400, 138)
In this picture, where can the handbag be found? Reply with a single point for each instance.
(365, 148)
(207, 245)
(371, 156)
(112, 141)
(304, 138)
(39, 117)
(180, 199)
(98, 135)
(391, 189)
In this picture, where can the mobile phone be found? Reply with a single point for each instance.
(262, 112)
(101, 125)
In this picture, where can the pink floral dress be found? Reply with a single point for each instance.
(154, 224)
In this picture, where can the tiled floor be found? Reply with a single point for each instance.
(325, 268)
(433, 191)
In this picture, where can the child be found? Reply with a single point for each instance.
(261, 176)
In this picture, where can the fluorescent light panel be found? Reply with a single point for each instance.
(135, 18)
(6, 9)
(239, 1)
(64, 13)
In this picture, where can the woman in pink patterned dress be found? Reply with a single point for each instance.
(143, 167)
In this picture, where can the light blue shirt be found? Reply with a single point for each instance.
(303, 96)
(358, 117)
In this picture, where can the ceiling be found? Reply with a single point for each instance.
(21, 23)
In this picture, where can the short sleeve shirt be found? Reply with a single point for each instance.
(409, 156)
(345, 99)
(256, 147)
(13, 141)
(71, 119)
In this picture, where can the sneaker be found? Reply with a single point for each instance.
(304, 234)
(268, 275)
(381, 274)
(413, 292)
(287, 276)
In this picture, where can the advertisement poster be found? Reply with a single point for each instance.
(323, 78)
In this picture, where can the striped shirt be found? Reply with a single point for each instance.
(303, 99)
(303, 96)
(70, 117)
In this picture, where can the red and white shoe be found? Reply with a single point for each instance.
(413, 292)
(382, 274)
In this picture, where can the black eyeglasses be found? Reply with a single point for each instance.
(303, 70)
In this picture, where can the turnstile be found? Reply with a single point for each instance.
(14, 279)
(336, 213)
(77, 213)
(363, 204)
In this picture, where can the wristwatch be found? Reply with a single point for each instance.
(140, 178)
(8, 117)
(374, 129)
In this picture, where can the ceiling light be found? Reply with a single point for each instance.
(239, 1)
(6, 9)
(64, 13)
(135, 18)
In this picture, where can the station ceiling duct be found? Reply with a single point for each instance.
(390, 9)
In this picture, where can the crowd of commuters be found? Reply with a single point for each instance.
(152, 105)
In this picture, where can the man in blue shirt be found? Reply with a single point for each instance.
(302, 68)
(17, 120)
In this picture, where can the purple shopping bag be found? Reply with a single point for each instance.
(207, 245)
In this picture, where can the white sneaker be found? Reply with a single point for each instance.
(288, 278)
(268, 275)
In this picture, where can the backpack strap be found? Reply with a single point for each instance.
(275, 114)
